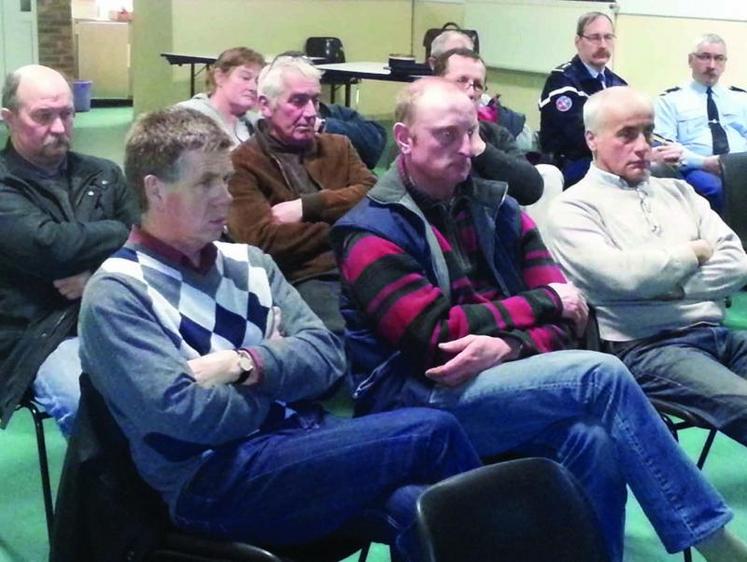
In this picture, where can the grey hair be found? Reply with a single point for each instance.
(10, 91)
(707, 39)
(271, 81)
(589, 17)
(595, 106)
(441, 43)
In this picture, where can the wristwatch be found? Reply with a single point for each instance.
(246, 364)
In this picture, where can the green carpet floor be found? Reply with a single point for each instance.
(22, 528)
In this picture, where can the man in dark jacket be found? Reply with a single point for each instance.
(501, 160)
(568, 87)
(61, 215)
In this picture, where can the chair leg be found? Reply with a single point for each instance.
(364, 552)
(688, 555)
(706, 448)
(41, 445)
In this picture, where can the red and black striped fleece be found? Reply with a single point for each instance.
(413, 315)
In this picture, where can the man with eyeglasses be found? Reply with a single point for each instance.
(501, 160)
(657, 262)
(292, 182)
(61, 214)
(568, 87)
(706, 118)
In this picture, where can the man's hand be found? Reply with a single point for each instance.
(574, 304)
(219, 367)
(703, 250)
(72, 287)
(474, 354)
(670, 153)
(287, 212)
(712, 164)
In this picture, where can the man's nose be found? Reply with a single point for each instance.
(57, 126)
(309, 110)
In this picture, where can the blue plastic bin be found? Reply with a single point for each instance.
(82, 95)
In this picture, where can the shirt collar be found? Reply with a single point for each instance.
(593, 71)
(606, 178)
(208, 254)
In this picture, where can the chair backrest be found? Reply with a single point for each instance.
(530, 510)
(434, 32)
(329, 48)
(734, 177)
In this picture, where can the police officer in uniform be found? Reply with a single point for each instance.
(566, 90)
(706, 118)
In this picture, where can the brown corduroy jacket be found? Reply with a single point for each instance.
(301, 249)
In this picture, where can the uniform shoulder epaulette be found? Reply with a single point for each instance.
(735, 89)
(563, 66)
(670, 90)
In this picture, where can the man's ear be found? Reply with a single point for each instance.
(402, 137)
(155, 191)
(7, 115)
(591, 141)
(265, 107)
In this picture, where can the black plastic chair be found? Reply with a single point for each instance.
(39, 415)
(105, 511)
(329, 50)
(532, 510)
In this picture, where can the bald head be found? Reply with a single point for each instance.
(434, 91)
(33, 76)
(611, 103)
(38, 111)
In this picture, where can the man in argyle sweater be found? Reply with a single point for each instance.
(452, 301)
(210, 361)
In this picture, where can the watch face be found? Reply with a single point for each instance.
(245, 362)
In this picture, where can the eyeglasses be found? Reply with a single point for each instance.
(291, 55)
(708, 56)
(466, 83)
(648, 212)
(598, 38)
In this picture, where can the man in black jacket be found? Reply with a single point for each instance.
(61, 215)
(568, 87)
(501, 160)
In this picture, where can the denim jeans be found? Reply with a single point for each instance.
(56, 386)
(585, 410)
(708, 185)
(295, 486)
(702, 368)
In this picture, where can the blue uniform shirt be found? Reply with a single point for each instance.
(681, 116)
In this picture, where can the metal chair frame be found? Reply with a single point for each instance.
(38, 415)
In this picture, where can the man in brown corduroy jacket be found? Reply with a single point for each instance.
(292, 182)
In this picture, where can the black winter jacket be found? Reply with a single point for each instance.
(44, 237)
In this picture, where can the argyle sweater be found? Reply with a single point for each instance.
(228, 309)
(145, 314)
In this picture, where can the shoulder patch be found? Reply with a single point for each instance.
(735, 89)
(563, 103)
(670, 90)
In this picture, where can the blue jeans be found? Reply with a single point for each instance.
(585, 410)
(56, 386)
(708, 185)
(702, 368)
(295, 486)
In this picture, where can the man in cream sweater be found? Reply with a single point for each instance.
(657, 263)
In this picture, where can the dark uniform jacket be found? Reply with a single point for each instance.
(561, 108)
(44, 237)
